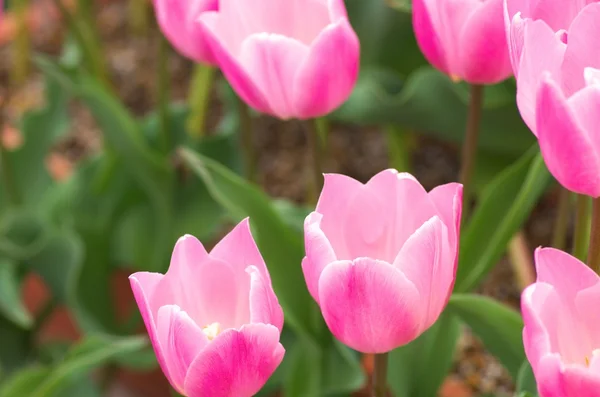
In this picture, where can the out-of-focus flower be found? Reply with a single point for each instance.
(290, 59)
(381, 258)
(213, 318)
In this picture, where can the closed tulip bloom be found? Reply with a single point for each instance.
(213, 318)
(558, 94)
(464, 39)
(287, 58)
(381, 257)
(562, 326)
(178, 20)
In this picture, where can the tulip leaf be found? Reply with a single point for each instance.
(15, 348)
(419, 368)
(11, 305)
(526, 380)
(24, 382)
(503, 208)
(280, 244)
(499, 327)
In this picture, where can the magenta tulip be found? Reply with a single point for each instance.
(464, 39)
(290, 59)
(213, 318)
(562, 326)
(558, 93)
(381, 258)
(178, 20)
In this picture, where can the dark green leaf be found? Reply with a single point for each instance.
(15, 347)
(11, 305)
(499, 327)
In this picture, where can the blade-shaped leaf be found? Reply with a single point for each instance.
(11, 305)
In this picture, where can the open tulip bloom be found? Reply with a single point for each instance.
(558, 86)
(213, 318)
(381, 257)
(562, 326)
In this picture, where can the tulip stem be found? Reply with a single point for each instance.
(247, 142)
(199, 99)
(380, 375)
(594, 247)
(582, 227)
(162, 92)
(314, 146)
(559, 238)
(469, 149)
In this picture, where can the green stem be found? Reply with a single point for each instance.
(559, 238)
(582, 227)
(399, 144)
(162, 93)
(6, 170)
(594, 247)
(315, 155)
(199, 99)
(247, 142)
(22, 44)
(380, 375)
(469, 149)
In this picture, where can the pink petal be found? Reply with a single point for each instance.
(582, 51)
(585, 104)
(337, 191)
(537, 339)
(264, 305)
(273, 61)
(319, 253)
(428, 39)
(447, 199)
(542, 51)
(586, 309)
(550, 381)
(484, 51)
(558, 13)
(327, 76)
(181, 341)
(515, 32)
(567, 150)
(429, 262)
(187, 256)
(236, 363)
(240, 79)
(369, 305)
(143, 285)
(580, 381)
(178, 22)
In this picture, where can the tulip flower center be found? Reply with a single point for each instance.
(587, 361)
(212, 330)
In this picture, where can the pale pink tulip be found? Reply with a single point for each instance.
(381, 257)
(558, 94)
(178, 20)
(213, 318)
(465, 39)
(288, 58)
(562, 326)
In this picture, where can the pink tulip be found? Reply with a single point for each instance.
(465, 39)
(562, 326)
(291, 59)
(178, 20)
(213, 318)
(381, 258)
(558, 93)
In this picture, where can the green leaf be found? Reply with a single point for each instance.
(24, 382)
(499, 327)
(526, 379)
(503, 208)
(11, 305)
(305, 369)
(14, 346)
(419, 368)
(281, 246)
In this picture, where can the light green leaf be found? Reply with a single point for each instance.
(526, 380)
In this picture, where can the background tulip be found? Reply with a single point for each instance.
(290, 59)
(213, 319)
(465, 39)
(178, 20)
(381, 257)
(562, 327)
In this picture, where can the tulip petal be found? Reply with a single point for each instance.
(585, 104)
(427, 37)
(338, 191)
(564, 272)
(236, 363)
(484, 52)
(181, 341)
(447, 199)
(565, 146)
(328, 74)
(429, 262)
(369, 305)
(582, 51)
(318, 253)
(237, 76)
(542, 51)
(264, 305)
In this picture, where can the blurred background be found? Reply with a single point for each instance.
(88, 90)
